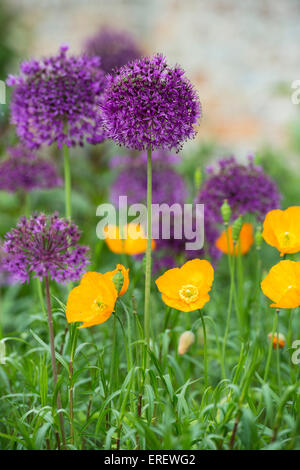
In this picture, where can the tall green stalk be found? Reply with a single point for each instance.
(148, 252)
(204, 348)
(68, 205)
(271, 346)
(53, 359)
(231, 293)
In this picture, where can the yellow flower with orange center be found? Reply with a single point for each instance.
(282, 284)
(187, 288)
(244, 243)
(93, 301)
(132, 240)
(281, 229)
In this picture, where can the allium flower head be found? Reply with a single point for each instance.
(55, 100)
(246, 187)
(148, 103)
(115, 48)
(45, 246)
(168, 185)
(26, 172)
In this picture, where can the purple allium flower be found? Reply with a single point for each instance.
(167, 185)
(24, 171)
(45, 246)
(115, 48)
(246, 187)
(148, 103)
(55, 100)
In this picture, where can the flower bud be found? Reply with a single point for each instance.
(118, 280)
(236, 228)
(225, 212)
(185, 341)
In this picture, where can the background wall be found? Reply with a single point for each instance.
(242, 55)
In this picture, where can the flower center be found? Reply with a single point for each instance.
(98, 306)
(287, 239)
(189, 293)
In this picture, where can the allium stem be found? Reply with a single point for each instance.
(148, 253)
(68, 205)
(53, 361)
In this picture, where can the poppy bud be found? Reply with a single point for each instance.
(118, 280)
(236, 228)
(225, 212)
(185, 341)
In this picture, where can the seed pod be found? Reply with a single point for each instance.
(225, 212)
(236, 228)
(118, 281)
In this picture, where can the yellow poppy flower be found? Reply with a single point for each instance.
(187, 288)
(282, 284)
(93, 301)
(120, 268)
(244, 244)
(133, 243)
(281, 229)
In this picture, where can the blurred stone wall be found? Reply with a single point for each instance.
(242, 55)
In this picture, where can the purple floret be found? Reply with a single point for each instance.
(55, 100)
(148, 103)
(45, 246)
(115, 48)
(246, 187)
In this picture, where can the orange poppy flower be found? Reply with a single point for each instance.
(120, 269)
(133, 243)
(281, 229)
(282, 284)
(187, 288)
(244, 244)
(93, 301)
(280, 342)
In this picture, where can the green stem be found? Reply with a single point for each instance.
(278, 355)
(148, 253)
(204, 348)
(74, 337)
(53, 360)
(231, 292)
(271, 347)
(68, 206)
